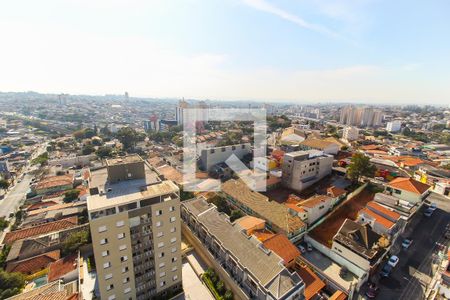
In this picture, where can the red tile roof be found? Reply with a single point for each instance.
(409, 184)
(392, 214)
(13, 236)
(283, 247)
(379, 219)
(55, 181)
(313, 284)
(41, 205)
(34, 264)
(315, 201)
(335, 191)
(263, 235)
(338, 295)
(61, 267)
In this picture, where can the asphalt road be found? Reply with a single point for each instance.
(416, 267)
(17, 193)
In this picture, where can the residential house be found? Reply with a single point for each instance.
(34, 264)
(408, 189)
(284, 248)
(54, 184)
(277, 216)
(321, 145)
(257, 270)
(359, 245)
(251, 224)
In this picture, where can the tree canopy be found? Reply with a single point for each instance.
(360, 166)
(11, 284)
(128, 137)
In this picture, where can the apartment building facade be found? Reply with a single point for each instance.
(135, 228)
(256, 269)
(301, 169)
(212, 156)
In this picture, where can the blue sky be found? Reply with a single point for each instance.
(370, 51)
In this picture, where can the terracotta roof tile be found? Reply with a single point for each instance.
(313, 284)
(409, 184)
(39, 205)
(263, 235)
(335, 191)
(13, 236)
(283, 247)
(338, 295)
(54, 181)
(249, 222)
(392, 214)
(61, 267)
(315, 201)
(317, 143)
(379, 219)
(33, 264)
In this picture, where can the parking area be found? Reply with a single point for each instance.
(410, 278)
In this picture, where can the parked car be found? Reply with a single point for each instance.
(372, 291)
(386, 271)
(393, 260)
(432, 207)
(428, 212)
(406, 243)
(301, 248)
(309, 247)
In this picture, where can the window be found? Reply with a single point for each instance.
(120, 235)
(106, 265)
(110, 287)
(173, 240)
(120, 223)
(124, 258)
(122, 247)
(172, 208)
(158, 224)
(102, 228)
(108, 276)
(175, 277)
(162, 274)
(161, 255)
(126, 280)
(163, 283)
(173, 229)
(223, 149)
(159, 212)
(174, 249)
(105, 253)
(174, 268)
(397, 191)
(160, 234)
(112, 297)
(103, 241)
(160, 244)
(161, 265)
(127, 290)
(124, 269)
(174, 259)
(172, 219)
(212, 151)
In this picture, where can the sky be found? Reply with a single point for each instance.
(369, 51)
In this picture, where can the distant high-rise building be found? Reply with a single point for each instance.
(394, 126)
(202, 112)
(350, 133)
(126, 96)
(152, 124)
(361, 116)
(134, 218)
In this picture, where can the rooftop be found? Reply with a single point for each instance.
(271, 211)
(55, 181)
(263, 264)
(33, 264)
(379, 219)
(123, 160)
(13, 236)
(61, 267)
(409, 184)
(377, 207)
(317, 143)
(283, 247)
(315, 201)
(313, 284)
(249, 222)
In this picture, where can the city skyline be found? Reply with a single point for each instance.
(326, 51)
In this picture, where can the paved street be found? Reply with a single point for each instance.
(15, 195)
(411, 276)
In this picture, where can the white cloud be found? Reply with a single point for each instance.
(265, 6)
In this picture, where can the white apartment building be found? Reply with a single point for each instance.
(301, 169)
(394, 126)
(350, 133)
(135, 226)
(212, 156)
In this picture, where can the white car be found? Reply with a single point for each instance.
(393, 260)
(432, 207)
(406, 243)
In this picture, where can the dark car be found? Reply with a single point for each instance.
(372, 291)
(386, 271)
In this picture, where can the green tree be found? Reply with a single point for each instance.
(3, 223)
(228, 295)
(235, 214)
(41, 159)
(11, 284)
(221, 204)
(75, 241)
(87, 149)
(220, 287)
(103, 152)
(71, 195)
(128, 137)
(360, 166)
(4, 184)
